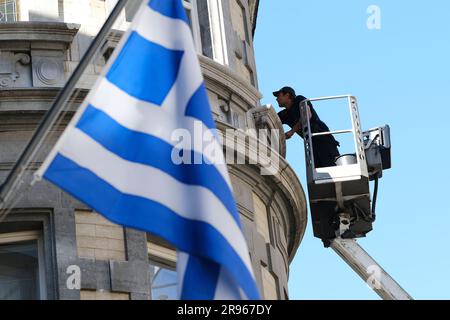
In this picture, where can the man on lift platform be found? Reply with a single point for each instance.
(325, 151)
(325, 147)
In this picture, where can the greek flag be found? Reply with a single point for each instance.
(116, 156)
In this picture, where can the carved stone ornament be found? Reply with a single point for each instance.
(48, 71)
(8, 67)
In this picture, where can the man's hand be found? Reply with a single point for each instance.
(289, 134)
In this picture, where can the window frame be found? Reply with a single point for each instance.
(16, 10)
(191, 6)
(247, 42)
(217, 26)
(245, 21)
(218, 35)
(160, 256)
(24, 236)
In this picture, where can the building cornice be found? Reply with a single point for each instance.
(23, 109)
(225, 77)
(19, 95)
(39, 32)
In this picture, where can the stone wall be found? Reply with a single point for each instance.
(36, 60)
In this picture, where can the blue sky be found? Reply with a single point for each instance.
(401, 77)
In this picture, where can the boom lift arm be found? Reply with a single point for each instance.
(369, 270)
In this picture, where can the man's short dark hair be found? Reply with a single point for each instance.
(285, 90)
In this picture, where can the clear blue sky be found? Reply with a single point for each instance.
(401, 76)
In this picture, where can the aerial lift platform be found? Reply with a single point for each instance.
(339, 196)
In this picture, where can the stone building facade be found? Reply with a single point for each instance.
(48, 238)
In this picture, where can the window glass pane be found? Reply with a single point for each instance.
(10, 7)
(205, 28)
(19, 271)
(8, 11)
(164, 283)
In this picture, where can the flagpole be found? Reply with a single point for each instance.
(51, 115)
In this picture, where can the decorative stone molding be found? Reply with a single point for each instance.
(43, 44)
(230, 95)
(265, 117)
(9, 72)
(48, 68)
(47, 71)
(59, 34)
(224, 77)
(27, 99)
(22, 109)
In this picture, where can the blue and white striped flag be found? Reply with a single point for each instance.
(116, 156)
